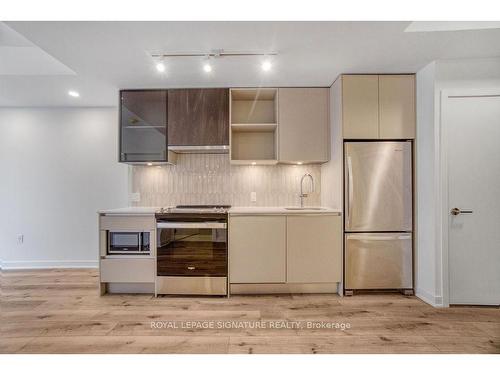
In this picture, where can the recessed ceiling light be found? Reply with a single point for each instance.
(266, 65)
(150, 164)
(73, 93)
(160, 66)
(207, 67)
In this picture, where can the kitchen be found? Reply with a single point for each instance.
(215, 140)
(200, 197)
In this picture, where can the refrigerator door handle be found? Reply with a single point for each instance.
(379, 238)
(349, 190)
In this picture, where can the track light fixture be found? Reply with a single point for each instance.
(160, 65)
(266, 64)
(206, 65)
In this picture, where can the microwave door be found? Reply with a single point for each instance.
(124, 243)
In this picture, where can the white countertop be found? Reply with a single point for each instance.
(280, 211)
(141, 211)
(130, 211)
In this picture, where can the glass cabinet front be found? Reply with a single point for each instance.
(143, 126)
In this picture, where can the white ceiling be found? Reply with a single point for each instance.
(108, 56)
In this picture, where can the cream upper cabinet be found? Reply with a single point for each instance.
(360, 106)
(314, 253)
(397, 106)
(257, 249)
(378, 106)
(303, 124)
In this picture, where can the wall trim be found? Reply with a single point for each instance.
(42, 264)
(435, 301)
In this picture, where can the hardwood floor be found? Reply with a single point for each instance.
(60, 311)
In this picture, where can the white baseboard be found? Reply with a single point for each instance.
(435, 301)
(41, 264)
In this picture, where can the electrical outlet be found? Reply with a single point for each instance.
(135, 197)
(20, 239)
(253, 196)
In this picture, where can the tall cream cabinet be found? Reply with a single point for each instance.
(378, 106)
(314, 249)
(397, 106)
(303, 125)
(257, 249)
(360, 106)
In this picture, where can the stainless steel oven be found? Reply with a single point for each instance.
(133, 243)
(192, 254)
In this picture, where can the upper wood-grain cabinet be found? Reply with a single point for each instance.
(143, 126)
(378, 106)
(303, 124)
(198, 117)
(397, 106)
(314, 249)
(360, 106)
(257, 249)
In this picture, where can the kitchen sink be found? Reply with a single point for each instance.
(303, 208)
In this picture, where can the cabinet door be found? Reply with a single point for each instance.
(314, 253)
(257, 249)
(397, 106)
(360, 106)
(303, 124)
(143, 126)
(198, 117)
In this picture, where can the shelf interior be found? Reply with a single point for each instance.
(253, 146)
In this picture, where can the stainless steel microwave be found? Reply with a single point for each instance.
(134, 243)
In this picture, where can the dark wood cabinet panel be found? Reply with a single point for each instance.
(198, 117)
(143, 126)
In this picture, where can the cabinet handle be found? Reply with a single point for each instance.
(191, 268)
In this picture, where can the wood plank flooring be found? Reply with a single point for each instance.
(60, 311)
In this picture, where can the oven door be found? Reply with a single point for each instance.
(192, 249)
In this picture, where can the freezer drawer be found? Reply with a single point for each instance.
(378, 261)
(378, 186)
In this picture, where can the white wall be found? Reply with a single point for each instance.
(331, 172)
(431, 80)
(59, 166)
(426, 240)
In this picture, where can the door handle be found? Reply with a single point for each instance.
(349, 189)
(457, 211)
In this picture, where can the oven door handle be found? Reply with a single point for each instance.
(201, 225)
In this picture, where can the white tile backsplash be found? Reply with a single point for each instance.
(211, 179)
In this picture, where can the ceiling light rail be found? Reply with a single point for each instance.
(214, 53)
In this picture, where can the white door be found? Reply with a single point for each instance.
(472, 126)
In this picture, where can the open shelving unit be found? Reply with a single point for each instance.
(254, 126)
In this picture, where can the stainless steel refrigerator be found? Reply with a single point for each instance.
(378, 215)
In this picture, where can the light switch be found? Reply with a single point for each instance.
(135, 197)
(253, 196)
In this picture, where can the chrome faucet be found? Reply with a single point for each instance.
(302, 194)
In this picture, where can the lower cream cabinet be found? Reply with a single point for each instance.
(128, 270)
(257, 249)
(314, 249)
(285, 251)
